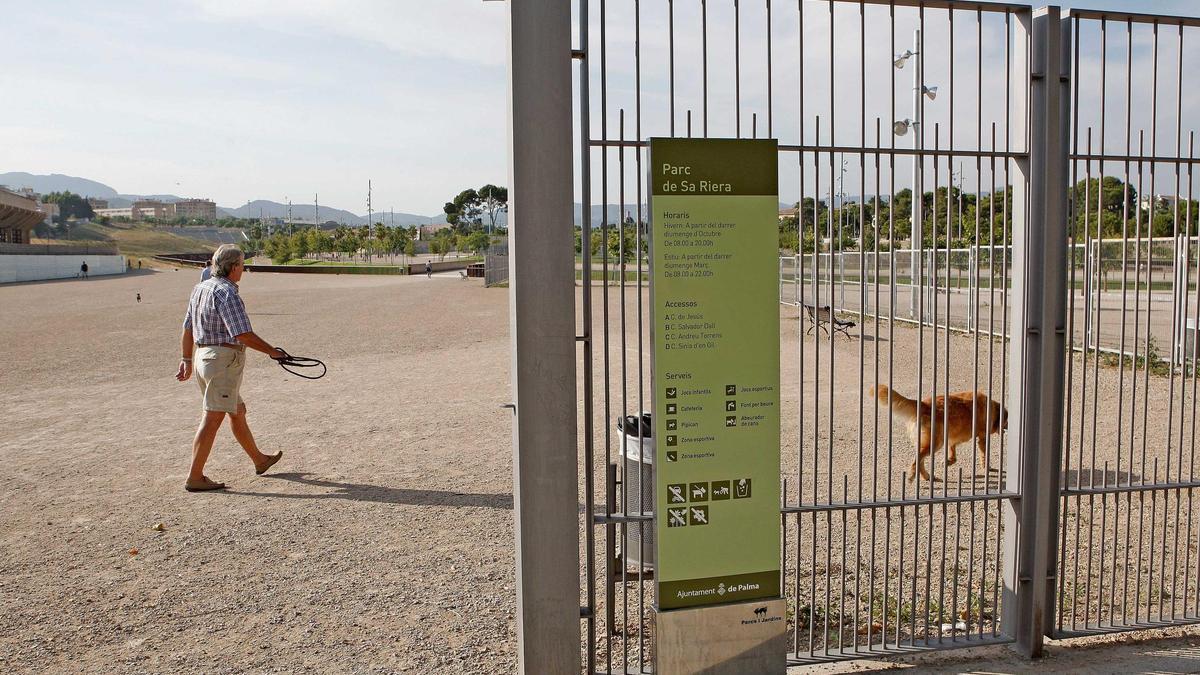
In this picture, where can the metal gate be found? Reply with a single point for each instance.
(1127, 542)
(876, 561)
(1060, 303)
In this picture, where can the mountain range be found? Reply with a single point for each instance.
(57, 182)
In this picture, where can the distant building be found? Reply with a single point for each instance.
(430, 231)
(50, 212)
(126, 212)
(152, 208)
(201, 209)
(97, 204)
(18, 215)
(1160, 202)
(784, 214)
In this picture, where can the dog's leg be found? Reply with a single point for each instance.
(919, 462)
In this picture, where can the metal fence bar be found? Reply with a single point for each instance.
(1039, 345)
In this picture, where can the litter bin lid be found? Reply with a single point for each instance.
(628, 425)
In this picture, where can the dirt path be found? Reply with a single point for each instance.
(383, 541)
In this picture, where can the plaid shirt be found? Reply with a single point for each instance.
(215, 313)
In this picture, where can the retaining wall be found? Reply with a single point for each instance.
(15, 268)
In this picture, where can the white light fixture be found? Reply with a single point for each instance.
(902, 58)
(931, 92)
(901, 127)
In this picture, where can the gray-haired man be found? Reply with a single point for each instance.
(217, 331)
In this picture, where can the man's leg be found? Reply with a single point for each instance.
(202, 445)
(241, 431)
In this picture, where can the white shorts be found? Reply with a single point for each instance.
(218, 371)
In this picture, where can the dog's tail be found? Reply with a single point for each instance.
(903, 407)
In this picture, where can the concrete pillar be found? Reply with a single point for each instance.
(542, 310)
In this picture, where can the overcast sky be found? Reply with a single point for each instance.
(264, 99)
(259, 99)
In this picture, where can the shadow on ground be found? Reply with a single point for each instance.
(360, 492)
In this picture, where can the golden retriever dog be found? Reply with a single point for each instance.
(966, 415)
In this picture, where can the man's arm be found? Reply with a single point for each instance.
(185, 349)
(251, 340)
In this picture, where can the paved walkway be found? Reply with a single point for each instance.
(1160, 651)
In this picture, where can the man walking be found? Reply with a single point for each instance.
(428, 270)
(216, 332)
(83, 270)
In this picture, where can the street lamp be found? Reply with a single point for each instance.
(901, 128)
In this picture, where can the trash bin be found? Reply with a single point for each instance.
(637, 456)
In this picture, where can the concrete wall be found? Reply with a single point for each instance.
(39, 267)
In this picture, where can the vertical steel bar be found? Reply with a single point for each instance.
(887, 543)
(704, 59)
(1083, 370)
(875, 419)
(862, 290)
(1178, 314)
(1074, 168)
(610, 467)
(625, 479)
(816, 469)
(737, 68)
(800, 322)
(770, 100)
(641, 355)
(671, 59)
(1136, 308)
(589, 482)
(936, 429)
(1038, 335)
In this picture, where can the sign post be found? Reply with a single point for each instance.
(715, 336)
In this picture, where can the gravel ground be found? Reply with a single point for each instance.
(382, 542)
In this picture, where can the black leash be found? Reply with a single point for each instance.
(287, 362)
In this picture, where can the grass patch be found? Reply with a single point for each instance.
(137, 240)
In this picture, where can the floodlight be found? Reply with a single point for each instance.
(901, 127)
(931, 92)
(902, 58)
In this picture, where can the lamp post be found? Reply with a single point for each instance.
(836, 245)
(902, 127)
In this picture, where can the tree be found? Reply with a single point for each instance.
(1109, 203)
(445, 243)
(464, 212)
(493, 200)
(467, 209)
(478, 242)
(70, 205)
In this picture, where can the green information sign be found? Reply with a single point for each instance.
(715, 333)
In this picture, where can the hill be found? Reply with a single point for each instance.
(270, 209)
(139, 240)
(57, 182)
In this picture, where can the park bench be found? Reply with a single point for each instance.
(822, 317)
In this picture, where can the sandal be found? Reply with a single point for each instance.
(203, 486)
(270, 463)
